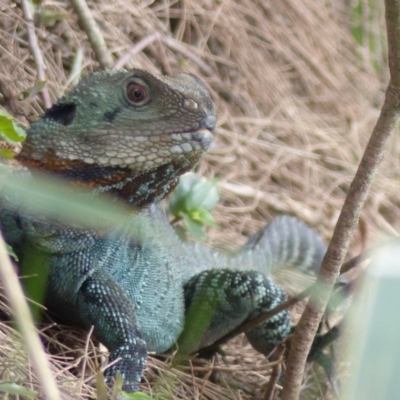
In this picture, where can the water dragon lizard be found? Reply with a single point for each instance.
(131, 134)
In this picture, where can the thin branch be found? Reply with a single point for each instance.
(173, 44)
(184, 50)
(276, 372)
(76, 68)
(10, 99)
(37, 54)
(24, 320)
(86, 351)
(96, 39)
(347, 222)
(138, 47)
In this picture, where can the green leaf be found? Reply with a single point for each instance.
(192, 201)
(178, 196)
(199, 315)
(6, 153)
(203, 195)
(35, 269)
(11, 252)
(13, 388)
(204, 217)
(42, 195)
(50, 17)
(102, 390)
(117, 386)
(32, 91)
(195, 228)
(9, 129)
(194, 192)
(137, 396)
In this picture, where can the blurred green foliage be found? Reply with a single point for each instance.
(9, 130)
(365, 28)
(8, 388)
(192, 202)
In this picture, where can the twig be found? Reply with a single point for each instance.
(76, 68)
(347, 222)
(10, 99)
(276, 372)
(85, 354)
(24, 320)
(181, 48)
(172, 44)
(93, 33)
(37, 55)
(139, 46)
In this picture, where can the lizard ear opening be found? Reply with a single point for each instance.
(62, 113)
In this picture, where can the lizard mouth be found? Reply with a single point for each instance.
(200, 138)
(203, 136)
(197, 141)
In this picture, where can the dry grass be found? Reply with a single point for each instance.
(296, 98)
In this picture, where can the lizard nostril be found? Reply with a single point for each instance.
(210, 122)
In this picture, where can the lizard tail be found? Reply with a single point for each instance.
(286, 242)
(239, 287)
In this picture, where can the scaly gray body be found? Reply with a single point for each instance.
(131, 135)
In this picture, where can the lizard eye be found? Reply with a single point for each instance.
(136, 93)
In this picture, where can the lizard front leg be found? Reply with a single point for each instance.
(224, 298)
(103, 304)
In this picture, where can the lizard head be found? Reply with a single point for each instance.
(129, 133)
